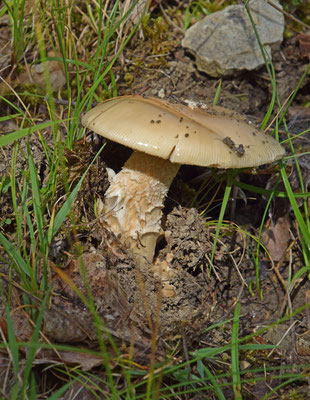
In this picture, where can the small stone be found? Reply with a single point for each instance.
(224, 43)
(161, 93)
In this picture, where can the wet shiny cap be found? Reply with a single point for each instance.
(211, 137)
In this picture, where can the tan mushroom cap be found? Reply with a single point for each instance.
(213, 137)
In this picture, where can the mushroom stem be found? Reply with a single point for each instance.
(134, 202)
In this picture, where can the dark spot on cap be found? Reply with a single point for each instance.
(176, 136)
(263, 141)
(159, 115)
(158, 121)
(186, 135)
(152, 121)
(240, 150)
(229, 142)
(254, 133)
(181, 119)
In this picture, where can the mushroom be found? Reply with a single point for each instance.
(165, 135)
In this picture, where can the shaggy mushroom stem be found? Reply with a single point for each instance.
(134, 201)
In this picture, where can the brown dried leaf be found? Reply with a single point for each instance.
(304, 45)
(3, 327)
(298, 112)
(275, 237)
(85, 360)
(20, 321)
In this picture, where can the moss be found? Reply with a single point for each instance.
(154, 29)
(128, 78)
(293, 395)
(197, 10)
(30, 93)
(300, 9)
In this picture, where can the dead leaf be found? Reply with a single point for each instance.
(275, 237)
(22, 326)
(299, 112)
(304, 45)
(83, 359)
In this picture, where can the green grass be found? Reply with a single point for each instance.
(37, 218)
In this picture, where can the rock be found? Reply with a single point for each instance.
(36, 74)
(224, 43)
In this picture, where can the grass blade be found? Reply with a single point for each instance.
(63, 212)
(20, 133)
(235, 354)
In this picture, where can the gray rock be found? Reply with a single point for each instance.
(224, 43)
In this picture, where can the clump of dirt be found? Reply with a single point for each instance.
(143, 288)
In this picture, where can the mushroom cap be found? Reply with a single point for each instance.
(212, 137)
